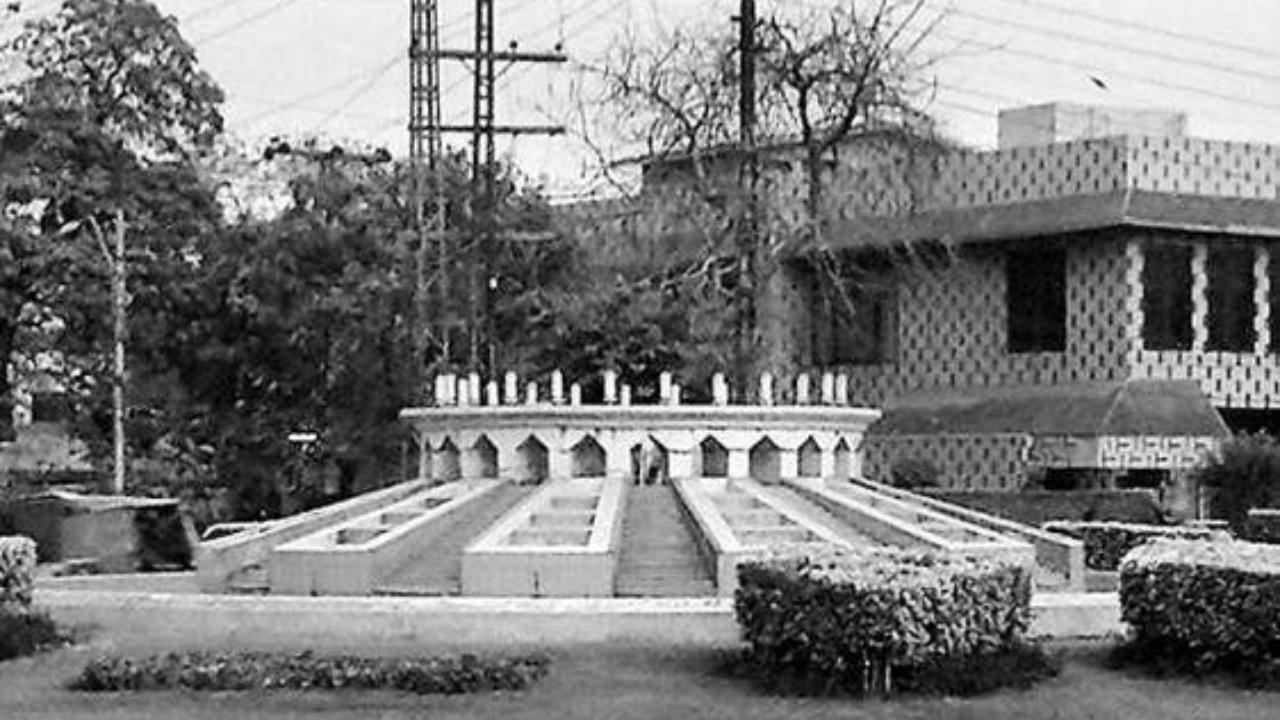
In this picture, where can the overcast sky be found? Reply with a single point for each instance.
(339, 67)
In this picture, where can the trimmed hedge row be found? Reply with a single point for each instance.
(17, 573)
(1106, 543)
(1215, 605)
(850, 617)
(1263, 525)
(26, 633)
(265, 671)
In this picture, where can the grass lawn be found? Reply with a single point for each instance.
(596, 682)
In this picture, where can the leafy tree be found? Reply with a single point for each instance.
(100, 121)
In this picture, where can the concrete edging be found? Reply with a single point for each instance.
(330, 623)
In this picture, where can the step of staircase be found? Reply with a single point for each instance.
(437, 568)
(659, 555)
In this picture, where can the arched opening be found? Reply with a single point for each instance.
(587, 458)
(649, 462)
(714, 458)
(843, 460)
(810, 459)
(533, 463)
(482, 460)
(765, 461)
(447, 465)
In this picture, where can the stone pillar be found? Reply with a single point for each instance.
(664, 388)
(476, 387)
(531, 394)
(624, 397)
(463, 392)
(842, 389)
(559, 457)
(557, 388)
(680, 454)
(788, 462)
(719, 389)
(617, 453)
(828, 389)
(575, 394)
(766, 389)
(510, 389)
(491, 394)
(610, 387)
(802, 389)
(424, 457)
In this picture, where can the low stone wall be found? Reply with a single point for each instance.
(217, 560)
(512, 559)
(903, 521)
(318, 564)
(161, 622)
(1060, 554)
(1035, 507)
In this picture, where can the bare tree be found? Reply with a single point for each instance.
(839, 88)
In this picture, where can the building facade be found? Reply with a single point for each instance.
(1067, 265)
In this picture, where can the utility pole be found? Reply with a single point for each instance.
(482, 246)
(426, 159)
(113, 253)
(119, 336)
(749, 174)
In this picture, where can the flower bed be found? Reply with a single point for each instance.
(17, 573)
(851, 617)
(264, 671)
(1105, 543)
(1207, 605)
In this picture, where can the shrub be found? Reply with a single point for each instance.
(17, 573)
(853, 618)
(253, 671)
(913, 473)
(1262, 525)
(1105, 543)
(26, 633)
(1203, 606)
(1243, 474)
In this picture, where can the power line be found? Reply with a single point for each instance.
(361, 91)
(1113, 72)
(246, 21)
(1144, 27)
(1121, 47)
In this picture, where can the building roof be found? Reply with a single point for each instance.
(1239, 217)
(1127, 408)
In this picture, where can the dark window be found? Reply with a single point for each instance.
(1230, 295)
(854, 323)
(1037, 301)
(1166, 297)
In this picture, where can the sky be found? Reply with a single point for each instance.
(339, 68)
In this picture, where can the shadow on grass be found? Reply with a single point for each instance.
(1017, 668)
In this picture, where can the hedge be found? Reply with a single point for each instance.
(1263, 525)
(17, 573)
(1105, 543)
(852, 616)
(305, 671)
(1214, 605)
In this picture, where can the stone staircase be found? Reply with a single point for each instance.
(437, 568)
(659, 555)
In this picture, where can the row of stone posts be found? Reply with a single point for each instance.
(470, 390)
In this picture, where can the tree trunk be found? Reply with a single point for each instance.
(8, 332)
